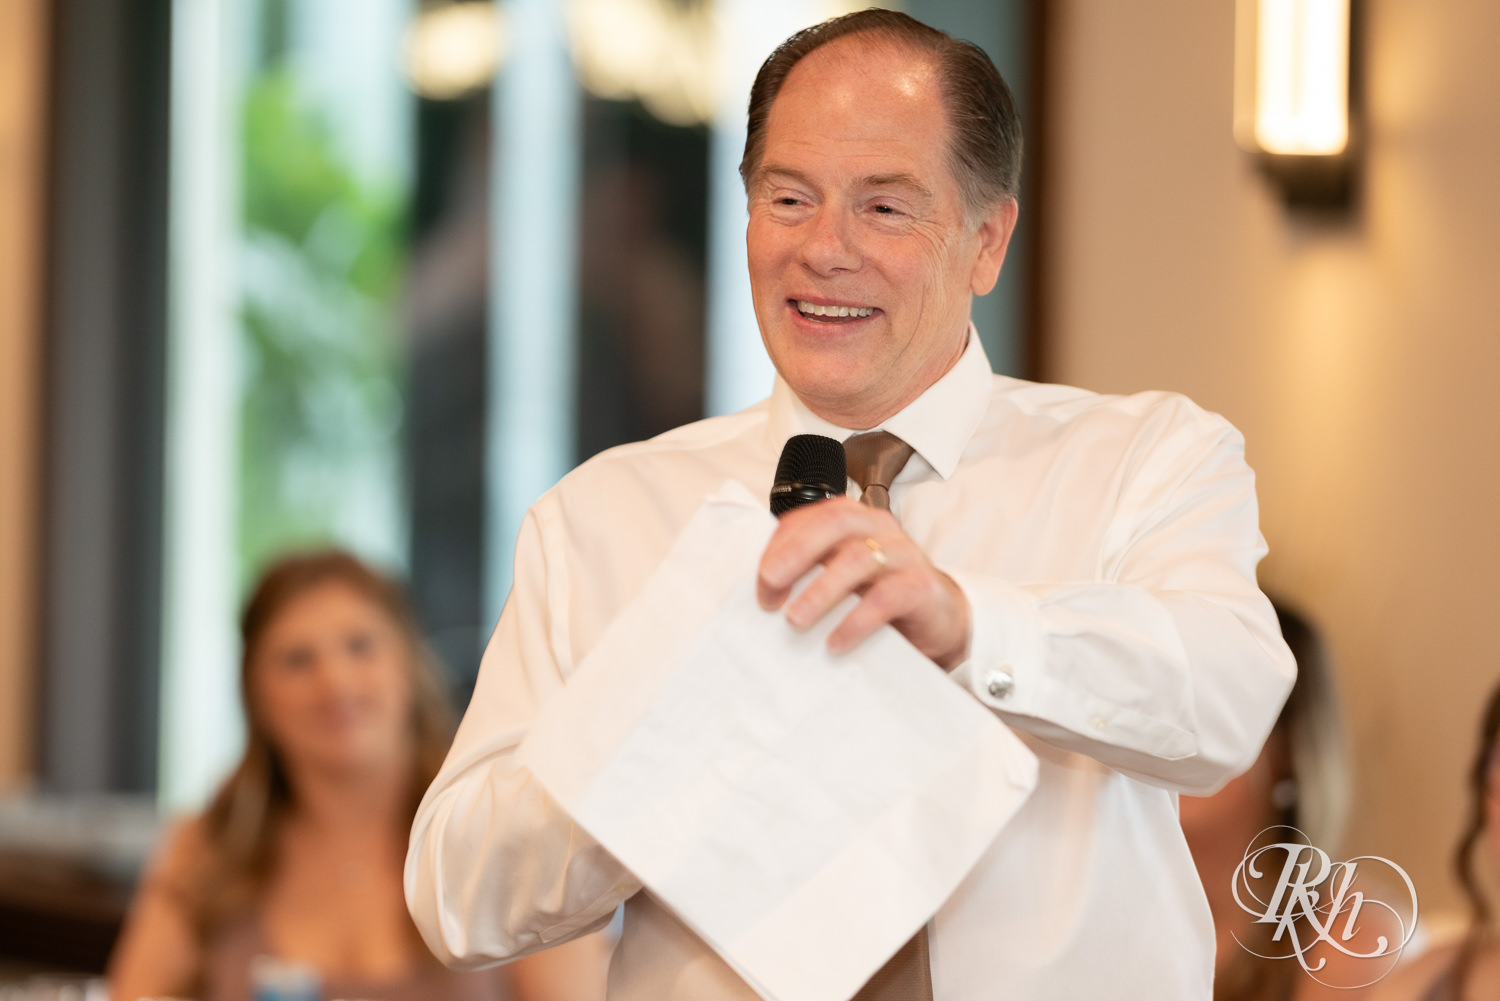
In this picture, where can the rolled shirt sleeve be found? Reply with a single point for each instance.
(1171, 667)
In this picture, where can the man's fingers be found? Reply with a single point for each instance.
(863, 551)
(809, 536)
(889, 597)
(923, 604)
(851, 565)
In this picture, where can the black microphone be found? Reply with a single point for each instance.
(812, 468)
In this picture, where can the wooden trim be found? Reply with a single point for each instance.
(1038, 361)
(25, 32)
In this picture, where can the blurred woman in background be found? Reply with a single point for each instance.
(299, 856)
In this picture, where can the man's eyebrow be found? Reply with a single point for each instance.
(775, 170)
(897, 180)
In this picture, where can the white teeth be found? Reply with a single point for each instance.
(813, 309)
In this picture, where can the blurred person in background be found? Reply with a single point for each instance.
(299, 855)
(1300, 780)
(1468, 970)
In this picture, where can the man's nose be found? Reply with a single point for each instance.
(829, 244)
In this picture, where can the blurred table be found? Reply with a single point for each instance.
(68, 867)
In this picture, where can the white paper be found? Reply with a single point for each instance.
(803, 813)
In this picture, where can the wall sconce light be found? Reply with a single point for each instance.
(1292, 96)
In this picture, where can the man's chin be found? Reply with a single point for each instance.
(848, 401)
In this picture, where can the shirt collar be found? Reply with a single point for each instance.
(938, 424)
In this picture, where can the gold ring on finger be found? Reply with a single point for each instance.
(877, 552)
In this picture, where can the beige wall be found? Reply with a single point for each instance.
(1362, 361)
(22, 74)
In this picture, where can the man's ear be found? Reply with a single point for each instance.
(995, 231)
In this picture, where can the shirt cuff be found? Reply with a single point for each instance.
(1007, 670)
(1004, 666)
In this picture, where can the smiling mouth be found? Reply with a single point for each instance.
(831, 314)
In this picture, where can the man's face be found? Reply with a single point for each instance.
(853, 212)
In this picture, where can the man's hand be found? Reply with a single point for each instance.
(863, 551)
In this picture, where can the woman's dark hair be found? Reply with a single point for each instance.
(1311, 725)
(984, 147)
(1464, 856)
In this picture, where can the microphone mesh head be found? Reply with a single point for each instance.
(812, 467)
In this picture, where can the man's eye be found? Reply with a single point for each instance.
(788, 200)
(885, 209)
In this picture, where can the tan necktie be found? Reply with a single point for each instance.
(875, 458)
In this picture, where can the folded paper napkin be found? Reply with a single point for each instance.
(803, 813)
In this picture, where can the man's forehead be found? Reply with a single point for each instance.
(860, 80)
(872, 103)
(867, 57)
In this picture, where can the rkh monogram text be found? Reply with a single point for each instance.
(1316, 905)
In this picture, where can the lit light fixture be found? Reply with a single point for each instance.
(453, 50)
(665, 53)
(658, 52)
(1292, 94)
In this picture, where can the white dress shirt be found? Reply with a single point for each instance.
(1107, 546)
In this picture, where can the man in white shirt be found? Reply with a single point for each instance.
(1083, 565)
